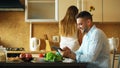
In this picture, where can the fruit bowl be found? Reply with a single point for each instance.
(27, 59)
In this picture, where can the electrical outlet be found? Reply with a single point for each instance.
(55, 38)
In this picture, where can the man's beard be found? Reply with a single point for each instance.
(84, 31)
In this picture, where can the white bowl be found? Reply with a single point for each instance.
(38, 60)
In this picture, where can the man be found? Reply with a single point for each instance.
(94, 48)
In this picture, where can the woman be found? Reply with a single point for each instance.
(68, 29)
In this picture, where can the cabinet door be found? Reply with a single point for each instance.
(111, 11)
(41, 10)
(97, 13)
(63, 6)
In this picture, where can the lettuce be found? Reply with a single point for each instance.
(52, 57)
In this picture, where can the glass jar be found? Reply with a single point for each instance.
(3, 54)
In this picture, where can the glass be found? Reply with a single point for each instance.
(3, 54)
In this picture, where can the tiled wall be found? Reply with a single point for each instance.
(14, 31)
(51, 29)
(111, 30)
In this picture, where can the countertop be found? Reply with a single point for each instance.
(32, 52)
(39, 65)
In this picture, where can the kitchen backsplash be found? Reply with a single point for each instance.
(14, 31)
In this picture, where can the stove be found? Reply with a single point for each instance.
(15, 49)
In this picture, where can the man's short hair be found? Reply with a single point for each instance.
(84, 14)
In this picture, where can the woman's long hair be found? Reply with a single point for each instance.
(68, 25)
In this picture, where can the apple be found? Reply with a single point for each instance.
(41, 55)
(22, 55)
(28, 56)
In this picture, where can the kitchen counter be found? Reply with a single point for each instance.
(32, 52)
(39, 65)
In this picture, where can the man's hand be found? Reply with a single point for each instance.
(68, 53)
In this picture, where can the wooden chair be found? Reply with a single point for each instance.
(115, 57)
(119, 62)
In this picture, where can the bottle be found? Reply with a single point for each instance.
(3, 54)
(47, 48)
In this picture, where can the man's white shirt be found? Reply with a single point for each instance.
(94, 49)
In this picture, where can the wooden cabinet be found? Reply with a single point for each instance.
(63, 6)
(111, 11)
(41, 11)
(106, 11)
(97, 4)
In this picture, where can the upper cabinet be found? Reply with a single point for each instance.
(94, 7)
(63, 6)
(111, 11)
(41, 11)
(106, 11)
(54, 10)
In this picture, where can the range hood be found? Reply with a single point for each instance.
(11, 5)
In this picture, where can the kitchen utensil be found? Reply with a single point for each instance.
(34, 44)
(48, 47)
